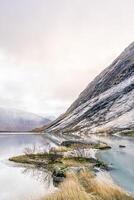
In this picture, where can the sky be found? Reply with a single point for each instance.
(51, 49)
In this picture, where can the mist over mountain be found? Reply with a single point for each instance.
(16, 120)
(106, 105)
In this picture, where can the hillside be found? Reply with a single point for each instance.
(106, 105)
(18, 121)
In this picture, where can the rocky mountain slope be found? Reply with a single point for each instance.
(14, 120)
(106, 105)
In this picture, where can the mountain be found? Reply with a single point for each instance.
(19, 121)
(106, 105)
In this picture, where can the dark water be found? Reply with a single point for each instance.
(19, 182)
(122, 160)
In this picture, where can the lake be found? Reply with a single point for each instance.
(121, 160)
(25, 183)
(19, 182)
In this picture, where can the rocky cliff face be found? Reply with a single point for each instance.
(106, 105)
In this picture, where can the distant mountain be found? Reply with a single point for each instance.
(15, 120)
(106, 105)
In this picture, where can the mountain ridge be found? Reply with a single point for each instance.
(106, 105)
(12, 120)
(123, 57)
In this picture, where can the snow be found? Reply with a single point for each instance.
(118, 115)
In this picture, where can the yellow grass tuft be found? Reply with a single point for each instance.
(103, 187)
(87, 187)
(59, 149)
(70, 189)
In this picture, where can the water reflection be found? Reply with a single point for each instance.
(42, 175)
(20, 182)
(122, 160)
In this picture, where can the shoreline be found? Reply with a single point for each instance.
(71, 165)
(115, 178)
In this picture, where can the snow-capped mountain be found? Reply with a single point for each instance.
(106, 105)
(15, 120)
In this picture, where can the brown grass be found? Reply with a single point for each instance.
(72, 163)
(59, 149)
(86, 187)
(70, 189)
(102, 188)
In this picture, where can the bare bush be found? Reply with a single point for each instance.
(30, 150)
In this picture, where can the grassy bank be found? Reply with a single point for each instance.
(52, 161)
(85, 186)
(73, 173)
(127, 133)
(63, 157)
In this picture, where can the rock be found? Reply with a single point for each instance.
(68, 143)
(101, 165)
(122, 146)
(104, 147)
(58, 175)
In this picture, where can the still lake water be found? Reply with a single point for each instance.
(121, 160)
(19, 182)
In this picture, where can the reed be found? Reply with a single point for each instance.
(87, 187)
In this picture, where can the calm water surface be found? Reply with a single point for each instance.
(122, 160)
(22, 183)
(19, 182)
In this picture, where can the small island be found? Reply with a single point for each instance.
(73, 168)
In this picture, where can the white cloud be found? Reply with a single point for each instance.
(50, 50)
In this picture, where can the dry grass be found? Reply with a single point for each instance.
(86, 187)
(102, 188)
(59, 149)
(72, 163)
(70, 189)
(76, 162)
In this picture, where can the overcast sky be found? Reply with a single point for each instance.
(51, 49)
